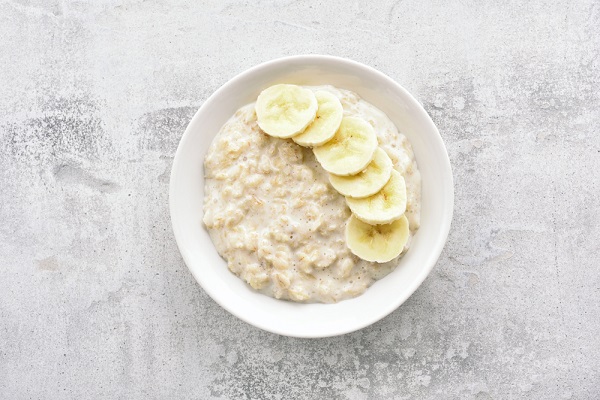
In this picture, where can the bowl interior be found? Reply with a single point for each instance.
(311, 320)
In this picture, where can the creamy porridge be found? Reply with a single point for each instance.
(276, 219)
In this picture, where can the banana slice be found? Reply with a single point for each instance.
(326, 123)
(368, 182)
(383, 207)
(285, 110)
(379, 243)
(350, 150)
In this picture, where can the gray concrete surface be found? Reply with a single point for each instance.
(95, 300)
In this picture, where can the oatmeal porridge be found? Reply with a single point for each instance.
(274, 215)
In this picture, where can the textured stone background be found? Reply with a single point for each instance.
(95, 300)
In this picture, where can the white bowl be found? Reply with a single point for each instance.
(311, 320)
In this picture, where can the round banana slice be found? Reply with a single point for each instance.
(383, 207)
(367, 182)
(285, 110)
(326, 123)
(378, 243)
(350, 150)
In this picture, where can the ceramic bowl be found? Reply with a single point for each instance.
(284, 317)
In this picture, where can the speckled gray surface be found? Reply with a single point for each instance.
(95, 300)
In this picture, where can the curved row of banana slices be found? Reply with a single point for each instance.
(347, 148)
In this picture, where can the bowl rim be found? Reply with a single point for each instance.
(444, 225)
